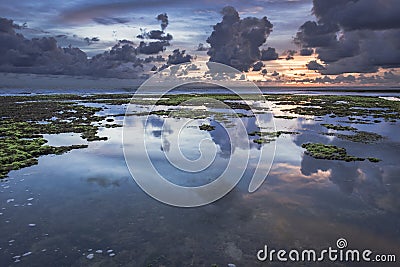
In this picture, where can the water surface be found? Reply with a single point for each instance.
(72, 205)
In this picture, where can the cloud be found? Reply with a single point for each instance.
(41, 55)
(155, 34)
(258, 66)
(269, 54)
(178, 57)
(163, 18)
(275, 73)
(88, 40)
(110, 21)
(306, 52)
(8, 26)
(86, 12)
(314, 65)
(235, 41)
(353, 36)
(159, 46)
(152, 47)
(359, 14)
(388, 77)
(202, 47)
(290, 54)
(44, 56)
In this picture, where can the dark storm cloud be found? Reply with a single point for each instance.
(178, 57)
(269, 54)
(312, 34)
(44, 56)
(152, 47)
(353, 35)
(20, 55)
(235, 42)
(8, 26)
(359, 14)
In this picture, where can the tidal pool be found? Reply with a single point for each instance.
(83, 208)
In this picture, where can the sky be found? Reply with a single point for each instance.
(279, 42)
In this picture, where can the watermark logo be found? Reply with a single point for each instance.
(143, 168)
(340, 253)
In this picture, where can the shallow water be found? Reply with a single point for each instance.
(72, 205)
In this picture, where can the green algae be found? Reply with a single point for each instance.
(315, 105)
(206, 127)
(18, 153)
(359, 137)
(338, 127)
(330, 152)
(25, 119)
(340, 106)
(286, 117)
(374, 160)
(268, 137)
(261, 141)
(271, 134)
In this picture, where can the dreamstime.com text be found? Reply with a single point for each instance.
(340, 253)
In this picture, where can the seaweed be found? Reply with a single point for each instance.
(18, 153)
(268, 137)
(331, 152)
(286, 117)
(340, 106)
(206, 127)
(338, 127)
(26, 118)
(359, 137)
(271, 134)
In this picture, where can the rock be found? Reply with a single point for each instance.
(90, 256)
(99, 251)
